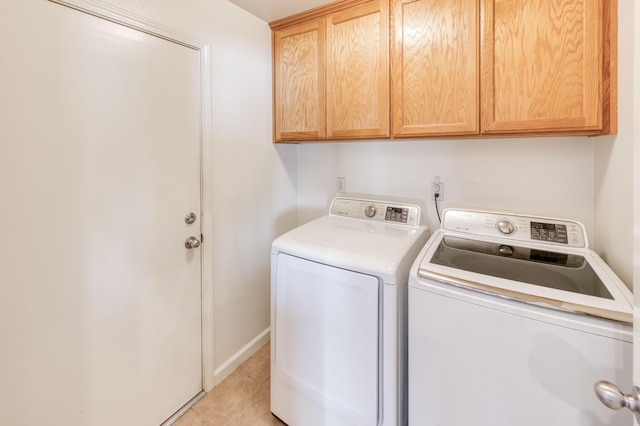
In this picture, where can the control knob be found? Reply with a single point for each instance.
(505, 226)
(370, 211)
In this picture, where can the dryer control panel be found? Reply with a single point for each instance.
(516, 227)
(376, 210)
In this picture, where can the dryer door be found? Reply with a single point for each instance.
(326, 336)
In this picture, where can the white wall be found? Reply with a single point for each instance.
(254, 183)
(636, 185)
(635, 112)
(542, 176)
(613, 159)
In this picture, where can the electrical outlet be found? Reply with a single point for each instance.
(437, 187)
(342, 184)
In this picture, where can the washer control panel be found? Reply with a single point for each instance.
(516, 227)
(376, 210)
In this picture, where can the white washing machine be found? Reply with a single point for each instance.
(512, 320)
(338, 314)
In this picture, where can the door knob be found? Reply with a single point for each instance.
(611, 396)
(192, 242)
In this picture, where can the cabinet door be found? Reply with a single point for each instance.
(299, 82)
(542, 64)
(435, 67)
(358, 72)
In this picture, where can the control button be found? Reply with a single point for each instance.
(370, 211)
(505, 226)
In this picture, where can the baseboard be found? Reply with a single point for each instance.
(241, 356)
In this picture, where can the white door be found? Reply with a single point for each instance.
(100, 304)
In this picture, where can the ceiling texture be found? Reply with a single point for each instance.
(272, 10)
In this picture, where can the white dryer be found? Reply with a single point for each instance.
(512, 320)
(338, 314)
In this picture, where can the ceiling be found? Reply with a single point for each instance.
(272, 10)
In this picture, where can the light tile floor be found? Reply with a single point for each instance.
(241, 399)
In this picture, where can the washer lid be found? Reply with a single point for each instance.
(570, 279)
(379, 249)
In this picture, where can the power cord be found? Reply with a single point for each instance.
(436, 192)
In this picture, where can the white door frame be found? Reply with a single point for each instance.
(127, 19)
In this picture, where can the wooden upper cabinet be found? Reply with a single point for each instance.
(299, 82)
(331, 73)
(434, 67)
(358, 72)
(545, 66)
(359, 69)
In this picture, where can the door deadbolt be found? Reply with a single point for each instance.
(190, 218)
